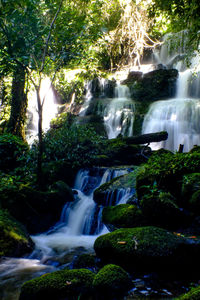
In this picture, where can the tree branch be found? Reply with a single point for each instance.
(49, 36)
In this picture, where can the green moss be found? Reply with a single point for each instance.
(167, 171)
(190, 186)
(111, 281)
(160, 209)
(65, 284)
(123, 215)
(122, 182)
(84, 261)
(14, 240)
(139, 247)
(194, 294)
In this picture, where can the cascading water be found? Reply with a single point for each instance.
(81, 220)
(119, 113)
(79, 226)
(179, 116)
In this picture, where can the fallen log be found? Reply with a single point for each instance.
(146, 138)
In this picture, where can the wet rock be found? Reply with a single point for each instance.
(14, 239)
(65, 284)
(155, 85)
(147, 248)
(111, 281)
(123, 216)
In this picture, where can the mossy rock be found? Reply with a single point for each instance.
(14, 240)
(127, 181)
(146, 248)
(123, 216)
(160, 209)
(66, 284)
(37, 210)
(111, 281)
(155, 85)
(166, 170)
(193, 294)
(84, 261)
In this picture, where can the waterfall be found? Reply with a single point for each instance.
(179, 116)
(80, 221)
(50, 110)
(87, 99)
(119, 113)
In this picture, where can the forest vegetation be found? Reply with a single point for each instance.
(90, 39)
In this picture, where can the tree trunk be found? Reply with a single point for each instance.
(146, 138)
(40, 140)
(17, 119)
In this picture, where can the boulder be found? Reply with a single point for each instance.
(160, 209)
(37, 210)
(14, 239)
(147, 248)
(107, 193)
(111, 281)
(155, 85)
(123, 216)
(59, 285)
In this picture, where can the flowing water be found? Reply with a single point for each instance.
(117, 112)
(179, 116)
(79, 226)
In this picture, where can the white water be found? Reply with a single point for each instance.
(80, 222)
(119, 113)
(87, 99)
(50, 110)
(179, 116)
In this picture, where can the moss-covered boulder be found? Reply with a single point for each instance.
(166, 170)
(111, 281)
(193, 294)
(160, 209)
(145, 248)
(14, 240)
(123, 216)
(157, 84)
(84, 261)
(66, 284)
(37, 210)
(124, 182)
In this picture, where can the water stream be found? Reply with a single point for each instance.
(75, 233)
(178, 116)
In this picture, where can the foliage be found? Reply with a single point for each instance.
(75, 143)
(178, 15)
(193, 294)
(12, 149)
